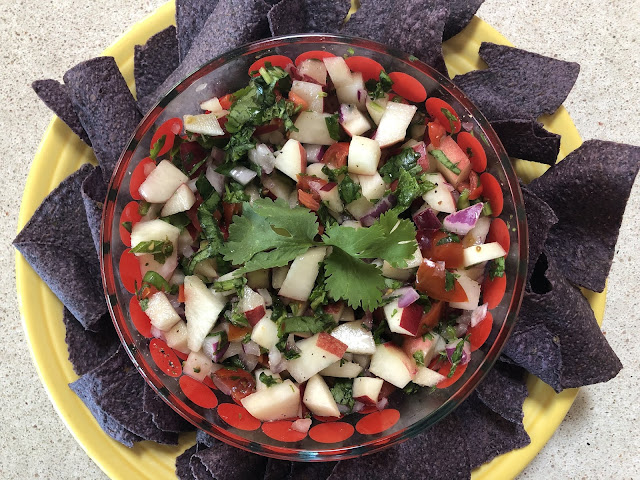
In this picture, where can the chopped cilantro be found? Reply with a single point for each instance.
(334, 173)
(449, 238)
(496, 268)
(333, 126)
(234, 193)
(143, 208)
(179, 220)
(378, 89)
(444, 160)
(233, 363)
(379, 331)
(407, 160)
(451, 117)
(418, 356)
(450, 280)
(342, 392)
(156, 147)
(160, 249)
(349, 190)
(156, 280)
(411, 388)
(231, 284)
(127, 226)
(268, 380)
(319, 295)
(320, 323)
(238, 319)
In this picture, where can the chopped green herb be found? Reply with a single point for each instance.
(450, 280)
(496, 268)
(380, 88)
(127, 226)
(179, 220)
(450, 238)
(156, 280)
(156, 147)
(228, 285)
(342, 392)
(320, 323)
(238, 319)
(234, 193)
(349, 190)
(463, 199)
(334, 173)
(406, 160)
(411, 388)
(333, 126)
(418, 356)
(444, 160)
(268, 380)
(160, 249)
(486, 209)
(379, 331)
(451, 117)
(143, 208)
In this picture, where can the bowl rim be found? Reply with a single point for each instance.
(108, 267)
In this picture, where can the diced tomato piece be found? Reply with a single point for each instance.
(431, 282)
(240, 382)
(473, 148)
(130, 215)
(308, 201)
(368, 67)
(408, 87)
(272, 126)
(450, 253)
(445, 369)
(299, 101)
(169, 130)
(311, 183)
(480, 333)
(226, 101)
(237, 333)
(499, 232)
(336, 155)
(493, 290)
(181, 297)
(275, 61)
(440, 110)
(315, 54)
(229, 210)
(492, 192)
(138, 176)
(430, 319)
(435, 131)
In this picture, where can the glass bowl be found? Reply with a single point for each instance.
(211, 410)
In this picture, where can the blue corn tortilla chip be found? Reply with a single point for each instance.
(205, 439)
(224, 462)
(183, 467)
(557, 305)
(489, 435)
(198, 470)
(105, 107)
(528, 140)
(57, 244)
(460, 14)
(444, 445)
(232, 23)
(162, 415)
(56, 96)
(154, 61)
(277, 469)
(588, 191)
(415, 27)
(306, 16)
(94, 192)
(517, 84)
(88, 350)
(191, 16)
(540, 219)
(504, 390)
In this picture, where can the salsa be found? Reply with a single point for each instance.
(317, 239)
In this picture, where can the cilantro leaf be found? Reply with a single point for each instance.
(496, 269)
(450, 238)
(450, 281)
(160, 249)
(320, 323)
(349, 190)
(268, 380)
(418, 356)
(378, 89)
(342, 392)
(333, 126)
(440, 156)
(407, 160)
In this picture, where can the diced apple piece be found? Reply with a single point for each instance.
(213, 105)
(425, 344)
(376, 108)
(278, 276)
(315, 69)
(261, 385)
(359, 208)
(342, 369)
(348, 315)
(330, 196)
(482, 253)
(439, 198)
(311, 93)
(338, 71)
(278, 184)
(319, 399)
(206, 268)
(415, 260)
(357, 337)
(274, 403)
(312, 128)
(367, 389)
(364, 156)
(456, 155)
(176, 338)
(161, 313)
(315, 170)
(372, 186)
(391, 364)
(258, 279)
(316, 354)
(252, 304)
(394, 122)
(162, 182)
(158, 230)
(472, 289)
(292, 159)
(181, 201)
(425, 377)
(403, 320)
(302, 274)
(205, 123)
(165, 270)
(390, 271)
(353, 92)
(197, 365)
(353, 120)
(265, 333)
(202, 308)
(362, 360)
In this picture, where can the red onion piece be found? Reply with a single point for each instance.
(251, 348)
(249, 361)
(468, 126)
(462, 221)
(215, 179)
(222, 386)
(262, 156)
(276, 363)
(384, 204)
(357, 406)
(242, 175)
(314, 152)
(426, 220)
(268, 301)
(301, 425)
(234, 348)
(156, 332)
(461, 329)
(343, 409)
(382, 403)
(466, 353)
(217, 155)
(408, 297)
(478, 314)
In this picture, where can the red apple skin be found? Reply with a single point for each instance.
(366, 400)
(334, 309)
(331, 344)
(423, 161)
(408, 362)
(386, 390)
(457, 156)
(417, 344)
(328, 187)
(255, 314)
(410, 319)
(303, 159)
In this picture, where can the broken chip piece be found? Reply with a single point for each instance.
(528, 140)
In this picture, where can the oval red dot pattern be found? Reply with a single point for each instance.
(333, 432)
(198, 392)
(164, 357)
(378, 422)
(139, 319)
(238, 417)
(281, 430)
(130, 273)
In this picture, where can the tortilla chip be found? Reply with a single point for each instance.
(87, 350)
(231, 24)
(504, 390)
(57, 244)
(489, 435)
(105, 108)
(198, 470)
(225, 462)
(588, 191)
(154, 61)
(56, 96)
(528, 140)
(540, 219)
(191, 16)
(162, 415)
(585, 356)
(517, 84)
(414, 26)
(444, 445)
(277, 469)
(460, 14)
(307, 16)
(205, 439)
(94, 192)
(183, 468)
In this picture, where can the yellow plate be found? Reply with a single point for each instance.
(61, 153)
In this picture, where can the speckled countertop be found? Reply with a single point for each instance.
(42, 38)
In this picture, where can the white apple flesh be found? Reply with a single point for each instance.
(367, 389)
(353, 92)
(456, 155)
(205, 124)
(181, 201)
(391, 364)
(440, 198)
(426, 377)
(330, 196)
(318, 398)
(316, 354)
(312, 128)
(302, 274)
(197, 365)
(357, 337)
(403, 320)
(315, 69)
(252, 305)
(338, 71)
(154, 230)
(482, 253)
(394, 122)
(342, 369)
(372, 186)
(472, 289)
(376, 108)
(311, 93)
(176, 338)
(265, 333)
(161, 313)
(292, 159)
(364, 156)
(277, 402)
(353, 121)
(359, 208)
(202, 307)
(426, 344)
(261, 385)
(162, 182)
